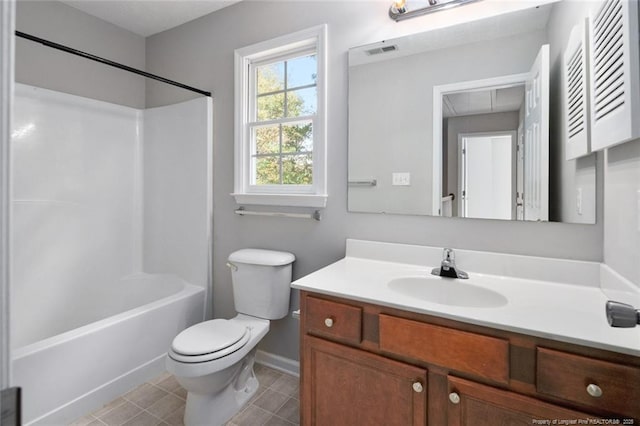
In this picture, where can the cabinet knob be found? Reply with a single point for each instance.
(417, 386)
(454, 397)
(594, 390)
(328, 322)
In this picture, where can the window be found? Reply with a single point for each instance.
(280, 121)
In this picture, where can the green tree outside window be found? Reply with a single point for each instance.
(283, 152)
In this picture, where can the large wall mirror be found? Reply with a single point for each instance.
(468, 121)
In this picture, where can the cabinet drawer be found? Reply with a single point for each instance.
(484, 356)
(333, 319)
(568, 376)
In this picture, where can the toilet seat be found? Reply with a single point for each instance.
(209, 340)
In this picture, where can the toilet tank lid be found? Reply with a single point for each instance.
(262, 257)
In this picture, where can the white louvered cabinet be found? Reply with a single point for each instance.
(614, 73)
(576, 95)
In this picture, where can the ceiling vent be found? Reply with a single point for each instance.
(383, 49)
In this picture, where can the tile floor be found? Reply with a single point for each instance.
(161, 401)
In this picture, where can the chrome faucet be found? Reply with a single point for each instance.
(448, 266)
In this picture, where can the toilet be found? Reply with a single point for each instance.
(214, 360)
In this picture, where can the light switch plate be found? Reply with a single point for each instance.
(401, 179)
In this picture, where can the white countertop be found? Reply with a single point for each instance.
(562, 311)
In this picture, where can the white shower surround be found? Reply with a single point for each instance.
(98, 208)
(75, 205)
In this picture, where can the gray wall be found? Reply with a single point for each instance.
(42, 66)
(567, 176)
(622, 210)
(201, 53)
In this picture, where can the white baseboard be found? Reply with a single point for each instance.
(278, 362)
(98, 397)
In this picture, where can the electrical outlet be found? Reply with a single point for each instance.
(401, 179)
(579, 201)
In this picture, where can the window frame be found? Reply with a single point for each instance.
(247, 58)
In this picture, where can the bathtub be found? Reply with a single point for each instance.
(90, 353)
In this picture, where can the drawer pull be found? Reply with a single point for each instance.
(594, 390)
(417, 386)
(328, 322)
(454, 397)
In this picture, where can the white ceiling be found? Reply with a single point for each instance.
(148, 17)
(483, 101)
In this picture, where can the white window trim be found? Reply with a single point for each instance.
(315, 195)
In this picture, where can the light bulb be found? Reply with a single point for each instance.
(399, 6)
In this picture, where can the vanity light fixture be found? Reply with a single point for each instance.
(399, 11)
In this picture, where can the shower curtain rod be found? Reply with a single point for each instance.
(108, 62)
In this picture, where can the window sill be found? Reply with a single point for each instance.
(285, 200)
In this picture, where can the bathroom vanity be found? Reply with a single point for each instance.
(378, 349)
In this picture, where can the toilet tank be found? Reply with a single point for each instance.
(261, 282)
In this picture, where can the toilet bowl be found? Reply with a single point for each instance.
(214, 360)
(220, 379)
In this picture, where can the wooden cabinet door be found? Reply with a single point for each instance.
(346, 386)
(479, 405)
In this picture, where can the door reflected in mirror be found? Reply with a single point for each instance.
(486, 195)
(467, 121)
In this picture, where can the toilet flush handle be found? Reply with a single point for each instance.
(232, 266)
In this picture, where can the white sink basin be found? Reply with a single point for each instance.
(447, 291)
